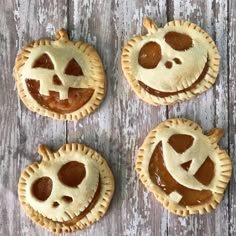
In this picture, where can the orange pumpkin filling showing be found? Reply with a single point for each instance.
(77, 97)
(163, 179)
(88, 208)
(71, 174)
(150, 56)
(161, 94)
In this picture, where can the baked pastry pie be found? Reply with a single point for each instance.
(185, 169)
(170, 64)
(68, 190)
(60, 79)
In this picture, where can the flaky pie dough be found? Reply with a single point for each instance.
(203, 146)
(182, 75)
(60, 51)
(56, 220)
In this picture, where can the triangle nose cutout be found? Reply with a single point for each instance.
(186, 165)
(56, 80)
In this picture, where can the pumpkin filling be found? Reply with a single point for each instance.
(88, 208)
(178, 41)
(161, 94)
(42, 188)
(163, 179)
(149, 55)
(181, 142)
(70, 174)
(43, 61)
(77, 97)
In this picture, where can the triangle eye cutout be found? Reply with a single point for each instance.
(43, 61)
(73, 68)
(181, 142)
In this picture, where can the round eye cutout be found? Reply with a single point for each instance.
(178, 41)
(42, 188)
(72, 173)
(149, 55)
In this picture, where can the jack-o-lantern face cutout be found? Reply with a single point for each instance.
(60, 79)
(185, 169)
(170, 64)
(68, 190)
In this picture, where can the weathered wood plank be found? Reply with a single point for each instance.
(206, 109)
(119, 126)
(142, 214)
(232, 111)
(115, 129)
(21, 22)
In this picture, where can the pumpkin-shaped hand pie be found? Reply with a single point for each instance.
(68, 190)
(60, 79)
(170, 64)
(185, 169)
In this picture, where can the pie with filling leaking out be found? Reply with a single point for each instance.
(60, 79)
(68, 190)
(184, 168)
(170, 64)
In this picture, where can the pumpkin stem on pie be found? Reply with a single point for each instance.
(215, 134)
(170, 64)
(150, 25)
(62, 35)
(67, 191)
(44, 152)
(184, 168)
(60, 78)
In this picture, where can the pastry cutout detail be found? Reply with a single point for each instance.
(56, 80)
(72, 173)
(73, 68)
(149, 55)
(42, 188)
(185, 169)
(67, 199)
(181, 142)
(162, 178)
(186, 165)
(68, 190)
(170, 64)
(178, 41)
(77, 97)
(43, 61)
(60, 78)
(207, 167)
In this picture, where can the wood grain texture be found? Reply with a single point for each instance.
(209, 109)
(119, 126)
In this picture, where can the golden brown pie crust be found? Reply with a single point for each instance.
(169, 182)
(60, 79)
(183, 71)
(69, 158)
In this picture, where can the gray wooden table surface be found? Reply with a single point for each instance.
(119, 126)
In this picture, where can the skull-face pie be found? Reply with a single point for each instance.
(185, 169)
(170, 64)
(68, 190)
(60, 79)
